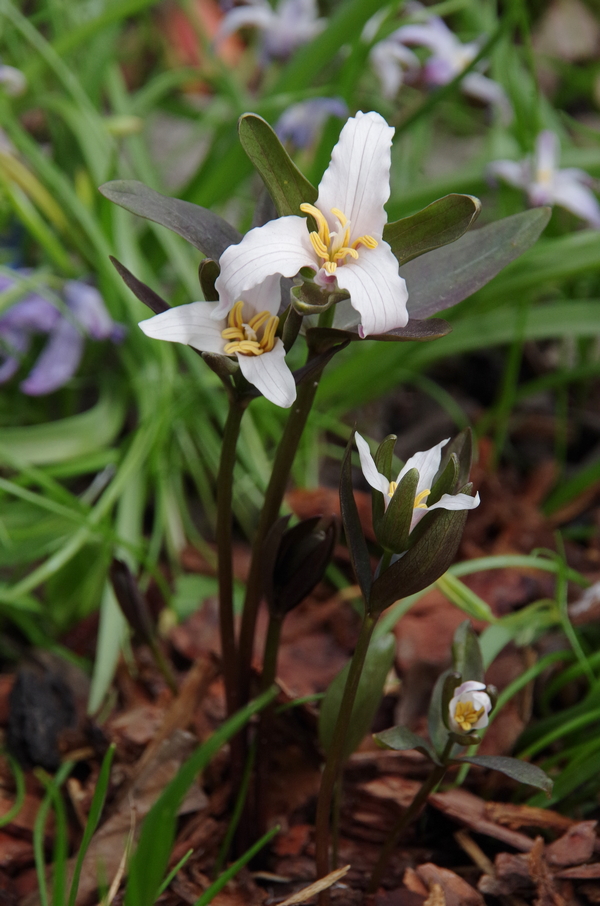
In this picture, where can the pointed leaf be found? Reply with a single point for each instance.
(394, 529)
(446, 481)
(423, 563)
(357, 546)
(383, 460)
(466, 653)
(378, 664)
(438, 224)
(416, 330)
(462, 447)
(446, 276)
(286, 184)
(208, 271)
(436, 728)
(203, 229)
(146, 295)
(466, 599)
(401, 738)
(522, 771)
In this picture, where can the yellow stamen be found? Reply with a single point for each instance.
(465, 715)
(418, 504)
(333, 249)
(244, 336)
(392, 490)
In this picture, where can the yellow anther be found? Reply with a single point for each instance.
(232, 333)
(392, 490)
(258, 320)
(341, 253)
(330, 267)
(318, 245)
(419, 505)
(320, 220)
(235, 315)
(268, 339)
(334, 248)
(367, 241)
(244, 336)
(340, 216)
(465, 715)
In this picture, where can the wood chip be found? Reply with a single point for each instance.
(456, 890)
(312, 889)
(515, 816)
(470, 810)
(574, 847)
(436, 896)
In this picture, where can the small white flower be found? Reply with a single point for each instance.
(545, 184)
(12, 81)
(427, 464)
(347, 249)
(470, 707)
(291, 24)
(247, 332)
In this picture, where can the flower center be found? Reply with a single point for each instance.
(244, 337)
(544, 176)
(334, 247)
(465, 715)
(418, 504)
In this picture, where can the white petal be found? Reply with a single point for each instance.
(547, 152)
(369, 469)
(357, 180)
(243, 16)
(389, 59)
(455, 502)
(479, 86)
(270, 374)
(281, 246)
(266, 296)
(426, 463)
(515, 173)
(578, 199)
(191, 324)
(377, 291)
(470, 686)
(434, 35)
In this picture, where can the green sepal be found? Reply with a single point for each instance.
(383, 460)
(357, 546)
(378, 663)
(522, 771)
(462, 447)
(290, 323)
(423, 563)
(445, 483)
(451, 684)
(222, 365)
(208, 271)
(436, 727)
(465, 739)
(466, 653)
(440, 223)
(394, 528)
(310, 299)
(286, 185)
(400, 739)
(199, 226)
(146, 295)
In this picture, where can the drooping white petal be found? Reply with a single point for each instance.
(266, 296)
(455, 502)
(369, 469)
(426, 463)
(281, 246)
(191, 324)
(514, 172)
(377, 291)
(577, 198)
(270, 374)
(490, 92)
(357, 180)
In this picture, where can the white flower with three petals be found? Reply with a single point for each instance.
(347, 249)
(469, 708)
(427, 465)
(247, 331)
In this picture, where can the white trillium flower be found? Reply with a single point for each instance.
(427, 464)
(247, 332)
(347, 249)
(470, 707)
(545, 184)
(291, 24)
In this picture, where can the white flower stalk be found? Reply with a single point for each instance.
(469, 709)
(427, 465)
(291, 24)
(545, 184)
(246, 332)
(347, 250)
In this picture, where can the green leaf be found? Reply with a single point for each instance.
(357, 546)
(401, 738)
(394, 528)
(446, 276)
(149, 862)
(286, 185)
(203, 229)
(378, 663)
(436, 726)
(440, 223)
(522, 771)
(144, 293)
(466, 653)
(423, 563)
(208, 271)
(446, 481)
(462, 596)
(383, 460)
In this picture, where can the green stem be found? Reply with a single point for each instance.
(269, 670)
(336, 754)
(266, 726)
(225, 564)
(436, 776)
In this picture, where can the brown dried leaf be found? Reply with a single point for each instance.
(322, 884)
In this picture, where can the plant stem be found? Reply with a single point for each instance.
(436, 776)
(336, 755)
(225, 564)
(265, 726)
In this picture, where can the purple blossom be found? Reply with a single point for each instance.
(545, 184)
(291, 24)
(83, 315)
(301, 122)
